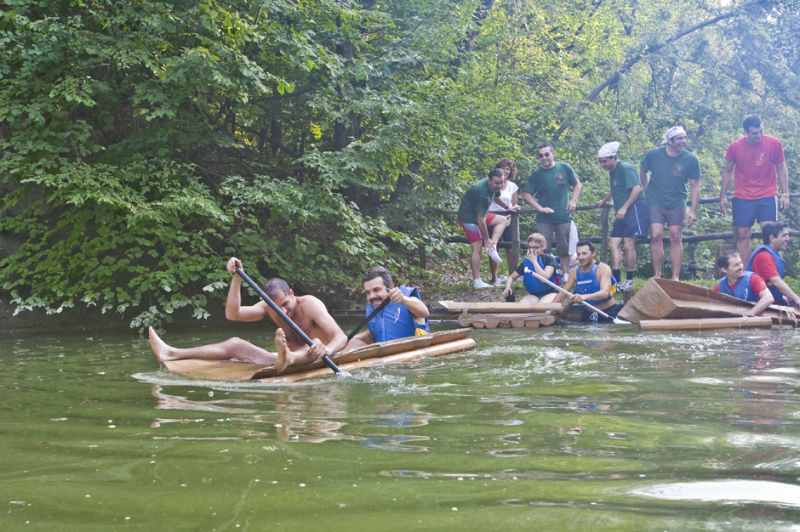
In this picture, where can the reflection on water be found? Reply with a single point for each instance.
(557, 428)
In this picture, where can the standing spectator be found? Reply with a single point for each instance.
(550, 184)
(758, 167)
(505, 202)
(632, 215)
(664, 171)
(475, 220)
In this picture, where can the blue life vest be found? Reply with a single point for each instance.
(742, 289)
(780, 264)
(532, 283)
(395, 321)
(587, 283)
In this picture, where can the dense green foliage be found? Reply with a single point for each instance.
(145, 142)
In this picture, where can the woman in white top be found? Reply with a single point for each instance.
(506, 202)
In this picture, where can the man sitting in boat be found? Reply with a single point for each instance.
(767, 262)
(405, 315)
(308, 312)
(743, 284)
(592, 282)
(536, 260)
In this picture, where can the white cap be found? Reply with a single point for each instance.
(671, 132)
(608, 150)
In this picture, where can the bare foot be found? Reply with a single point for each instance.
(282, 351)
(162, 351)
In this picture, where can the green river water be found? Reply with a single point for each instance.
(562, 428)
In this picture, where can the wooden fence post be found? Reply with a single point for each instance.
(513, 256)
(604, 252)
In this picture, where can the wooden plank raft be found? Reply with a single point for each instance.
(498, 307)
(515, 321)
(667, 299)
(382, 353)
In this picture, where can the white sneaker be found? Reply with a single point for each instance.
(492, 252)
(501, 280)
(625, 286)
(478, 284)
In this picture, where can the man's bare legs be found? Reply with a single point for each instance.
(496, 229)
(657, 248)
(676, 250)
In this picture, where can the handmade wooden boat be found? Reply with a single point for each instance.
(496, 307)
(515, 320)
(377, 354)
(744, 322)
(661, 299)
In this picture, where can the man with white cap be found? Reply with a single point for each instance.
(632, 214)
(664, 171)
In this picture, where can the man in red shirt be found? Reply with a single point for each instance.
(767, 262)
(758, 167)
(744, 285)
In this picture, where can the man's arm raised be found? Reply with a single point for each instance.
(234, 311)
(415, 306)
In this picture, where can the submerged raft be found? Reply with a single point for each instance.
(378, 354)
(492, 315)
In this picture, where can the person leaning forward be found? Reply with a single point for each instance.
(475, 220)
(766, 261)
(664, 172)
(550, 184)
(307, 312)
(406, 315)
(743, 284)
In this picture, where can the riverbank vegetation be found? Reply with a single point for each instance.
(142, 143)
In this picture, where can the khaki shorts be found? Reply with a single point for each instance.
(561, 236)
(667, 216)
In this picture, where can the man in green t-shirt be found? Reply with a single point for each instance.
(664, 171)
(550, 184)
(476, 221)
(632, 216)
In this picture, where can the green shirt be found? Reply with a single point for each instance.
(623, 178)
(475, 202)
(666, 187)
(551, 188)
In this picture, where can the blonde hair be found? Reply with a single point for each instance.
(537, 238)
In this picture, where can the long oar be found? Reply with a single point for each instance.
(369, 318)
(282, 314)
(585, 303)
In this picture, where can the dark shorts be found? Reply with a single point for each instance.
(668, 216)
(561, 236)
(591, 316)
(636, 223)
(747, 211)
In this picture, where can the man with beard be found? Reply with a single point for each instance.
(767, 262)
(406, 314)
(664, 172)
(307, 312)
(743, 284)
(592, 282)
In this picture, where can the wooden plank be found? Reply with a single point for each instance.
(749, 322)
(234, 370)
(464, 344)
(488, 307)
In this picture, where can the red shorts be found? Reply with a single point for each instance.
(472, 231)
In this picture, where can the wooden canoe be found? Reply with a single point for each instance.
(497, 307)
(662, 299)
(394, 352)
(510, 320)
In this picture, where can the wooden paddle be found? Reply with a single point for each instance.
(588, 305)
(369, 318)
(282, 314)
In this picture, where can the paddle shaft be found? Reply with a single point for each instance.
(566, 292)
(369, 318)
(287, 319)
